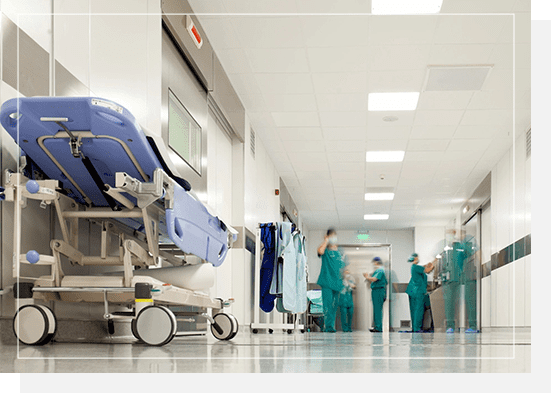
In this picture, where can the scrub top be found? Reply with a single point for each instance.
(418, 282)
(330, 273)
(381, 282)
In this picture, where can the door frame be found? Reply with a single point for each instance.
(389, 278)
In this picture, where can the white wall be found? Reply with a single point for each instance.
(509, 300)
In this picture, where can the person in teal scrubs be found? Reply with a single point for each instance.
(330, 279)
(346, 302)
(378, 293)
(416, 290)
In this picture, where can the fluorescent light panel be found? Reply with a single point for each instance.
(392, 101)
(385, 156)
(379, 196)
(404, 7)
(375, 216)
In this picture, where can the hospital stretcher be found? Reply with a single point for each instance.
(89, 159)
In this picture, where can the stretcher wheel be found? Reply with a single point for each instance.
(155, 325)
(228, 324)
(34, 324)
(255, 331)
(133, 329)
(271, 331)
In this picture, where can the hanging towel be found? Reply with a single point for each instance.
(268, 238)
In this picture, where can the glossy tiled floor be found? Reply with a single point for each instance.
(312, 352)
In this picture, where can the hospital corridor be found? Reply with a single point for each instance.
(290, 186)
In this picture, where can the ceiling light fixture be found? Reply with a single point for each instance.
(375, 216)
(385, 156)
(402, 7)
(379, 196)
(392, 101)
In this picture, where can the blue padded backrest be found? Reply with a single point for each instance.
(21, 119)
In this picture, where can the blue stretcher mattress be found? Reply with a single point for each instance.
(116, 144)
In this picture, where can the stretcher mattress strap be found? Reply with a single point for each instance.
(99, 183)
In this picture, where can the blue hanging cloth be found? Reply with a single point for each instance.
(268, 238)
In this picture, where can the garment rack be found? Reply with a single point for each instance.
(256, 325)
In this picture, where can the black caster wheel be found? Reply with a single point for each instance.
(290, 331)
(255, 331)
(155, 325)
(111, 326)
(271, 331)
(34, 324)
(133, 328)
(302, 331)
(226, 326)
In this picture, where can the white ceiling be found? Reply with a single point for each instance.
(304, 80)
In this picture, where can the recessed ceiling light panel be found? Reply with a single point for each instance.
(379, 196)
(405, 7)
(375, 216)
(385, 156)
(392, 101)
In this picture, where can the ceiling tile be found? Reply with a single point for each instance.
(458, 155)
(296, 119)
(341, 102)
(260, 6)
(401, 30)
(301, 166)
(476, 132)
(487, 117)
(386, 145)
(491, 100)
(345, 146)
(398, 57)
(313, 157)
(344, 133)
(427, 145)
(434, 100)
(432, 132)
(284, 83)
(335, 31)
(388, 132)
(375, 119)
(435, 156)
(287, 60)
(337, 59)
(438, 118)
(290, 102)
(306, 184)
(356, 176)
(469, 145)
(234, 61)
(268, 32)
(340, 82)
(395, 80)
(346, 167)
(469, 29)
(310, 145)
(343, 119)
(460, 54)
(304, 134)
(352, 156)
(220, 32)
(313, 175)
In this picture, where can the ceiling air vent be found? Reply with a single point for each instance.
(529, 143)
(456, 78)
(253, 143)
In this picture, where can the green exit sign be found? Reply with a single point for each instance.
(364, 236)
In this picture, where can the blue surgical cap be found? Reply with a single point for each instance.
(376, 259)
(411, 259)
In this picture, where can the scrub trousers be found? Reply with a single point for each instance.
(417, 311)
(330, 300)
(451, 298)
(346, 318)
(378, 297)
(470, 302)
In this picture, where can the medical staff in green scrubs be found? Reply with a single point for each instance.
(330, 279)
(378, 293)
(346, 302)
(416, 290)
(458, 268)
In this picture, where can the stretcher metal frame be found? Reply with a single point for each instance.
(133, 251)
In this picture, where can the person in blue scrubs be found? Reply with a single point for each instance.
(330, 279)
(346, 301)
(416, 290)
(378, 294)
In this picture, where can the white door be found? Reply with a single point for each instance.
(219, 185)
